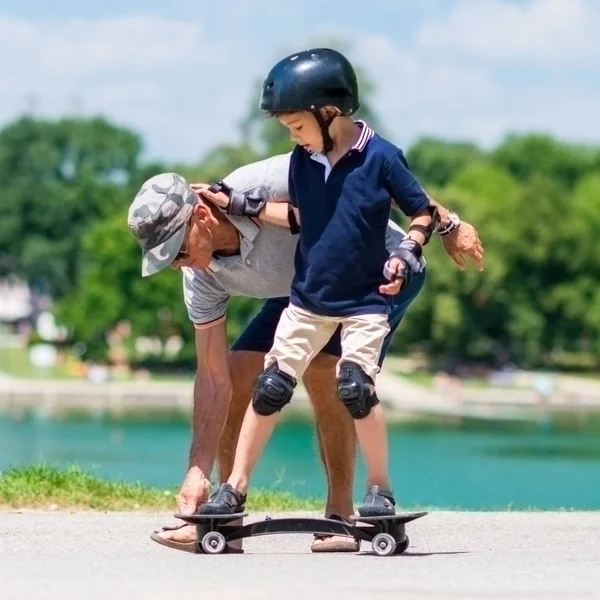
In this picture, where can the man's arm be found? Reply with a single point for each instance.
(212, 394)
(459, 238)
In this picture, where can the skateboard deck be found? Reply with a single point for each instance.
(397, 518)
(203, 518)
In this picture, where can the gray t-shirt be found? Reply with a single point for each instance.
(265, 266)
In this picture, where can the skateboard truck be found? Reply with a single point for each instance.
(387, 534)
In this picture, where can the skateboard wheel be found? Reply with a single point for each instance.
(214, 543)
(402, 546)
(383, 544)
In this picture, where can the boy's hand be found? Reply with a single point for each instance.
(219, 199)
(238, 204)
(396, 267)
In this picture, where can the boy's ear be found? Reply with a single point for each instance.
(330, 111)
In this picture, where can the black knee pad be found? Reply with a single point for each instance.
(356, 390)
(274, 389)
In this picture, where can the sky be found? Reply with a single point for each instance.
(184, 76)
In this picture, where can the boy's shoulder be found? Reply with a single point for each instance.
(383, 148)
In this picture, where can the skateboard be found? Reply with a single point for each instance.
(387, 534)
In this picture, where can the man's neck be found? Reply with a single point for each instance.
(226, 241)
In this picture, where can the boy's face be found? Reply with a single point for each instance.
(304, 130)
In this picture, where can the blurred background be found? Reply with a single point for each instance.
(493, 385)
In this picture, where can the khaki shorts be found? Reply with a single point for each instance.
(301, 334)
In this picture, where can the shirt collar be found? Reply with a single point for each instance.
(365, 135)
(361, 143)
(247, 230)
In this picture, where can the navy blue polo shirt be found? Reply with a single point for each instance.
(344, 214)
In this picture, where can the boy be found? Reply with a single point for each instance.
(341, 178)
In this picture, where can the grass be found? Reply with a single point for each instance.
(426, 379)
(15, 362)
(41, 486)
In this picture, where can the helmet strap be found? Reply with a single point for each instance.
(324, 125)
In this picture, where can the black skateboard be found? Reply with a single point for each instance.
(386, 534)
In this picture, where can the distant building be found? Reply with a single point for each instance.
(16, 302)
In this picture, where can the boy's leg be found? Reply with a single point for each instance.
(362, 341)
(300, 335)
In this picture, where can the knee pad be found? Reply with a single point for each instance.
(356, 390)
(274, 389)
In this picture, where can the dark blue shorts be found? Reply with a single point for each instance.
(259, 334)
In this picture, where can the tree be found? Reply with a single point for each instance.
(435, 162)
(57, 178)
(525, 155)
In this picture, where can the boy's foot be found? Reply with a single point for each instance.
(378, 502)
(225, 501)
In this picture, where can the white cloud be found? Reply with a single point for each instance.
(164, 78)
(184, 84)
(550, 32)
(417, 94)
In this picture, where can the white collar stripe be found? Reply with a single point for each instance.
(365, 135)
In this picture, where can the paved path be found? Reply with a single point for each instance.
(453, 555)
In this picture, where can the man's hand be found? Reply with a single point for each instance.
(395, 266)
(464, 241)
(194, 491)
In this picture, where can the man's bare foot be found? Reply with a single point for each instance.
(180, 537)
(334, 543)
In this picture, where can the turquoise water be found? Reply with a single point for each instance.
(483, 469)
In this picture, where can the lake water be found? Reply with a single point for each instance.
(451, 467)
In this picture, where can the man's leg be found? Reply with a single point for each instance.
(335, 433)
(337, 447)
(245, 367)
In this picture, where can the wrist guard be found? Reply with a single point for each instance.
(434, 225)
(409, 252)
(240, 204)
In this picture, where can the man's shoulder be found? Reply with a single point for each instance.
(267, 177)
(204, 297)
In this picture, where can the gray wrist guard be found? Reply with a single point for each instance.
(409, 252)
(240, 204)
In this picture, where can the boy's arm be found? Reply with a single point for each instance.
(409, 197)
(278, 211)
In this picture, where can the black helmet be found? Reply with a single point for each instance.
(310, 80)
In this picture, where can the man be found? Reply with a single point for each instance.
(222, 255)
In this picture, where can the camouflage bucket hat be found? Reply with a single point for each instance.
(157, 219)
